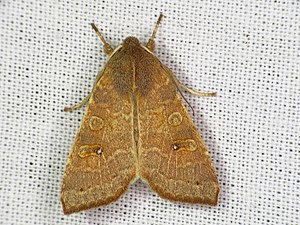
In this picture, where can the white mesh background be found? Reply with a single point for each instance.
(246, 51)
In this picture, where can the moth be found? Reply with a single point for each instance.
(136, 126)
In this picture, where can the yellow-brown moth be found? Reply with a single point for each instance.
(136, 126)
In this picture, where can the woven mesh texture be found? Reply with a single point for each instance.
(246, 51)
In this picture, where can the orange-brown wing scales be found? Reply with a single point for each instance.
(173, 159)
(102, 161)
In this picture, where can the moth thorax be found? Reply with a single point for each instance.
(131, 41)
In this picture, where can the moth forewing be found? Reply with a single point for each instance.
(173, 159)
(102, 161)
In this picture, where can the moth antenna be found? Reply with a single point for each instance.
(151, 43)
(107, 47)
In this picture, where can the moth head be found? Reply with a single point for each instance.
(131, 41)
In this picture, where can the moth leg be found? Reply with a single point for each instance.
(191, 107)
(84, 101)
(87, 98)
(200, 94)
(178, 84)
(151, 43)
(107, 47)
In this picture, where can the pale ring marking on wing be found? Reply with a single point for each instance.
(96, 123)
(175, 119)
